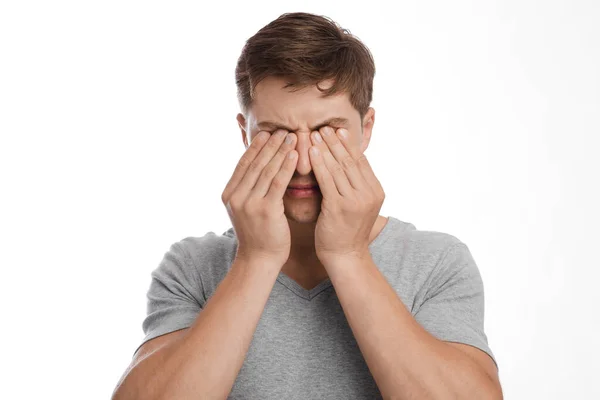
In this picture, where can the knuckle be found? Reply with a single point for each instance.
(236, 202)
(255, 166)
(348, 162)
(269, 171)
(248, 206)
(337, 169)
(277, 183)
(245, 161)
(263, 212)
(273, 142)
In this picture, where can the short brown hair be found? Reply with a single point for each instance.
(306, 49)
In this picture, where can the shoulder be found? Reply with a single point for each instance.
(208, 257)
(443, 266)
(439, 254)
(208, 247)
(421, 250)
(432, 242)
(417, 261)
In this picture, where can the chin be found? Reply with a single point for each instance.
(302, 212)
(303, 218)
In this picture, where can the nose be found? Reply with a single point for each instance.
(303, 143)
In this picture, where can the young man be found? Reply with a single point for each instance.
(311, 294)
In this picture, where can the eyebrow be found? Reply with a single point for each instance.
(330, 121)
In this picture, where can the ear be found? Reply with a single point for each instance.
(242, 124)
(367, 128)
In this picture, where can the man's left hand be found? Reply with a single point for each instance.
(352, 196)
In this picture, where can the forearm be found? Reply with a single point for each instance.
(206, 361)
(405, 360)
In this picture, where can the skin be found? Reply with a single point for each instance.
(302, 112)
(405, 360)
(330, 238)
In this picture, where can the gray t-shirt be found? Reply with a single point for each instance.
(303, 346)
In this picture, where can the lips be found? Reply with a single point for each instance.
(304, 187)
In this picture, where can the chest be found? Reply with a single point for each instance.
(304, 349)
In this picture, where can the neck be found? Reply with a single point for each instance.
(303, 263)
(303, 239)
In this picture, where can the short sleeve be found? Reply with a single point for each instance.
(175, 297)
(452, 302)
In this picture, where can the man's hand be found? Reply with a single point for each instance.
(352, 196)
(254, 197)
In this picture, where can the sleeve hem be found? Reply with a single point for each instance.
(171, 324)
(473, 343)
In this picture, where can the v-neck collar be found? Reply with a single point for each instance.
(310, 294)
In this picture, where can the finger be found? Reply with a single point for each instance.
(327, 185)
(244, 163)
(351, 143)
(260, 162)
(266, 177)
(344, 158)
(336, 170)
(367, 172)
(282, 179)
(353, 147)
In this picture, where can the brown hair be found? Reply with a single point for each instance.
(306, 49)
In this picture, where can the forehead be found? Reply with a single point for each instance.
(299, 109)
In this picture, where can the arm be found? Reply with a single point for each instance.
(204, 360)
(405, 360)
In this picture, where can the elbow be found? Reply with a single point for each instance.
(120, 394)
(486, 388)
(123, 393)
(493, 390)
(498, 395)
(127, 390)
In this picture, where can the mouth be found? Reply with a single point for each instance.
(301, 191)
(303, 187)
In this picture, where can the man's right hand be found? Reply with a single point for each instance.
(254, 197)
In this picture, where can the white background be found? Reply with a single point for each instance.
(119, 134)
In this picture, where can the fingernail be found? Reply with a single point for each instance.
(262, 135)
(289, 139)
(343, 133)
(318, 137)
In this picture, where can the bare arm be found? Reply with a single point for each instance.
(204, 360)
(406, 361)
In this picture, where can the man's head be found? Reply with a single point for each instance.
(298, 72)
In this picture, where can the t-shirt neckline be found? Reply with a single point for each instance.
(310, 294)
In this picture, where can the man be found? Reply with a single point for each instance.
(311, 294)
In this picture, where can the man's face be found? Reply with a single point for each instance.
(303, 112)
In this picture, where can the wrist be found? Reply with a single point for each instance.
(259, 260)
(343, 258)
